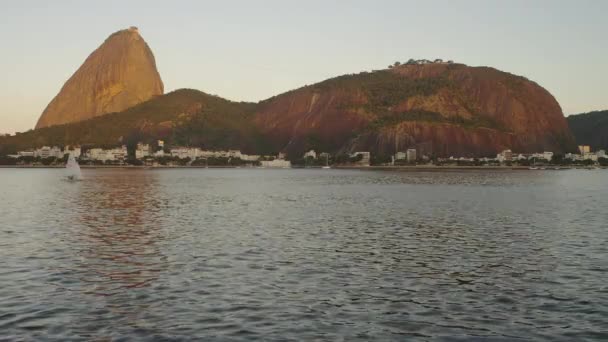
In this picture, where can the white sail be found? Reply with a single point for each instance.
(73, 169)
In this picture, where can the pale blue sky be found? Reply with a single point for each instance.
(251, 50)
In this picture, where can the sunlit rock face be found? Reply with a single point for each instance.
(119, 74)
(440, 109)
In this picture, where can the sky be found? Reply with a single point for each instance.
(251, 50)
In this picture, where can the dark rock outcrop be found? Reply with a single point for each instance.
(590, 129)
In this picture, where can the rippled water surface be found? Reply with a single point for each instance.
(303, 255)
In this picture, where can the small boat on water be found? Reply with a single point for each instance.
(72, 169)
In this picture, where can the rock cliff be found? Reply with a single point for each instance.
(441, 109)
(121, 73)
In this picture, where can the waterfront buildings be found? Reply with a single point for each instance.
(505, 156)
(25, 154)
(582, 149)
(276, 163)
(145, 152)
(114, 154)
(48, 152)
(142, 151)
(195, 153)
(411, 155)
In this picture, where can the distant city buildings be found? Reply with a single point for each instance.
(142, 151)
(114, 154)
(505, 156)
(582, 149)
(311, 154)
(197, 153)
(400, 156)
(25, 154)
(189, 155)
(276, 163)
(48, 152)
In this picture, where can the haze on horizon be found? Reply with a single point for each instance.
(248, 52)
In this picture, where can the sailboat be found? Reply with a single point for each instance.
(73, 169)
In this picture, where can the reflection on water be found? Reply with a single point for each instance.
(119, 229)
(303, 255)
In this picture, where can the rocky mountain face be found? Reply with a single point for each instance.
(121, 73)
(590, 129)
(441, 109)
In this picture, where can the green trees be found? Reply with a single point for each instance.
(590, 129)
(214, 122)
(379, 159)
(4, 160)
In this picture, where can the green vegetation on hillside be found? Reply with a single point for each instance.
(384, 88)
(590, 129)
(426, 116)
(183, 117)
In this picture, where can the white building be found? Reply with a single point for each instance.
(234, 154)
(590, 156)
(250, 157)
(504, 156)
(277, 163)
(582, 149)
(573, 156)
(411, 155)
(601, 154)
(142, 151)
(48, 152)
(185, 152)
(400, 155)
(25, 153)
(310, 153)
(545, 155)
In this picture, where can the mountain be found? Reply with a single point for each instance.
(439, 108)
(121, 73)
(590, 129)
(184, 117)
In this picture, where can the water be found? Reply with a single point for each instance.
(303, 255)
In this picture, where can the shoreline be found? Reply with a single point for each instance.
(343, 167)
